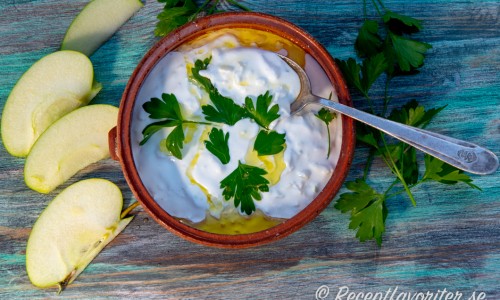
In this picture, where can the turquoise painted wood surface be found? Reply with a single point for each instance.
(451, 240)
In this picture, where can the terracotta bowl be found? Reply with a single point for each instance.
(120, 136)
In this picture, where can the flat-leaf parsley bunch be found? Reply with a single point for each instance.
(385, 46)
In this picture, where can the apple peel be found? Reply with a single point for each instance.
(75, 226)
(97, 22)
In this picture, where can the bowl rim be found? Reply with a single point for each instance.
(190, 31)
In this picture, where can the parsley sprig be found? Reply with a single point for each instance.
(218, 145)
(244, 185)
(179, 12)
(261, 112)
(168, 109)
(269, 142)
(368, 210)
(326, 116)
(223, 110)
(392, 51)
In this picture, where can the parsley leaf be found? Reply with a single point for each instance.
(152, 128)
(178, 12)
(368, 41)
(414, 114)
(409, 53)
(167, 108)
(269, 142)
(223, 110)
(175, 14)
(218, 145)
(367, 134)
(371, 69)
(261, 113)
(363, 76)
(175, 141)
(442, 172)
(392, 61)
(326, 116)
(351, 70)
(400, 24)
(368, 210)
(244, 184)
(405, 159)
(205, 83)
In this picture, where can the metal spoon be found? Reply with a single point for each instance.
(461, 154)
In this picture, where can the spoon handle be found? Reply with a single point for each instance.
(461, 154)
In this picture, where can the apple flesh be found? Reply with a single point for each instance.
(96, 23)
(52, 87)
(75, 226)
(75, 141)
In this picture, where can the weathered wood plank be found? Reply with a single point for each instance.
(450, 240)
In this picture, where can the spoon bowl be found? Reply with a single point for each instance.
(460, 154)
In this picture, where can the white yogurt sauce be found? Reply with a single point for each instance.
(190, 187)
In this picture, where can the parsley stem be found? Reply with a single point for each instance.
(381, 4)
(239, 5)
(390, 187)
(196, 122)
(213, 8)
(395, 194)
(203, 6)
(394, 168)
(365, 14)
(370, 102)
(329, 141)
(369, 161)
(376, 7)
(403, 190)
(387, 99)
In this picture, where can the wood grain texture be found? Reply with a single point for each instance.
(450, 240)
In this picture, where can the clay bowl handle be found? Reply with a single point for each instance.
(113, 148)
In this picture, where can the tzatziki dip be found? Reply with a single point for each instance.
(214, 142)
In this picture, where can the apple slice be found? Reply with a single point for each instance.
(76, 225)
(96, 23)
(75, 141)
(55, 85)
